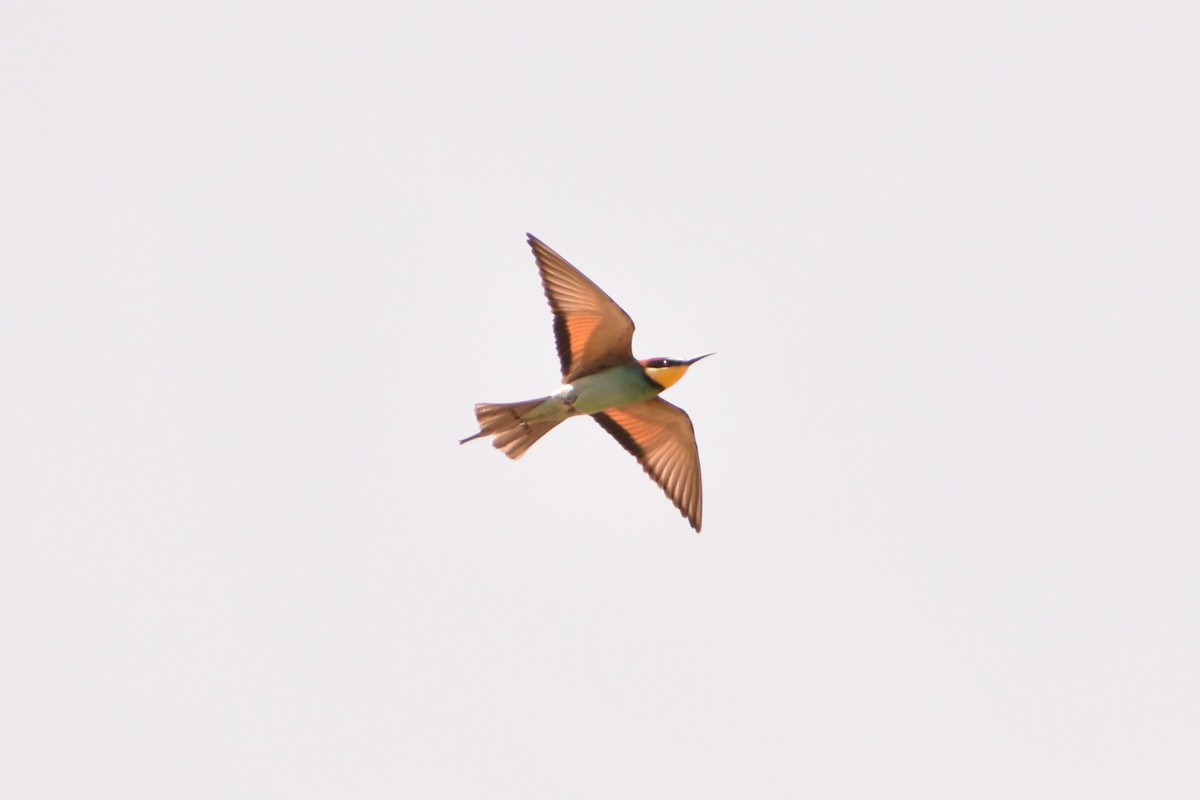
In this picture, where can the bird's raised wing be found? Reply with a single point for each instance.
(592, 332)
(660, 436)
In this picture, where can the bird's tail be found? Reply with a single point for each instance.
(506, 421)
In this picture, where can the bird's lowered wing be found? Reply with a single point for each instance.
(592, 332)
(660, 436)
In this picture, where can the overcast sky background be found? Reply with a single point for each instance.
(258, 261)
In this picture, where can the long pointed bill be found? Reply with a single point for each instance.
(697, 358)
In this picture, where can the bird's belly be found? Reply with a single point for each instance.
(614, 387)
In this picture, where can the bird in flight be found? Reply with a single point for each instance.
(601, 378)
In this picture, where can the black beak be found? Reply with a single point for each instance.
(697, 358)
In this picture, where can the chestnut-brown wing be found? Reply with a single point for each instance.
(592, 332)
(661, 437)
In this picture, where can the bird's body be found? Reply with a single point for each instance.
(610, 388)
(602, 379)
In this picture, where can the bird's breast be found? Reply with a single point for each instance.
(611, 388)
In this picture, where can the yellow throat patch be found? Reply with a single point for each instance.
(667, 377)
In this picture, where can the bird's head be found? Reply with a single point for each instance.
(666, 372)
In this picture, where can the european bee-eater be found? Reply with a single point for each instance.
(601, 378)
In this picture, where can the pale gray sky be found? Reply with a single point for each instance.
(258, 262)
